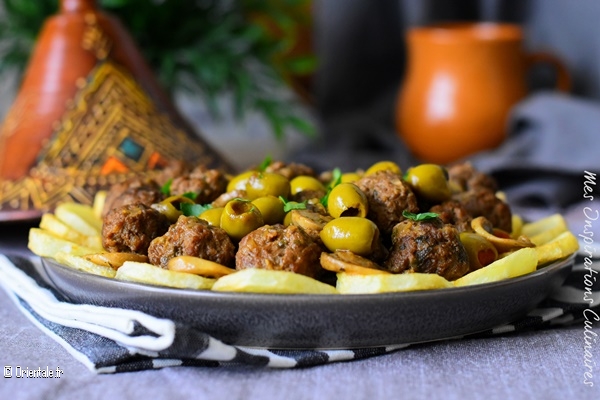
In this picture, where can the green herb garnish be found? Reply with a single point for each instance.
(264, 164)
(194, 210)
(420, 216)
(292, 205)
(336, 180)
(166, 188)
(190, 195)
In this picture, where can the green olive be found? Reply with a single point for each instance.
(349, 177)
(356, 234)
(347, 200)
(261, 184)
(271, 209)
(429, 182)
(238, 182)
(305, 182)
(170, 206)
(384, 166)
(481, 251)
(240, 217)
(212, 215)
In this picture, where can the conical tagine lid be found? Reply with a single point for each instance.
(88, 114)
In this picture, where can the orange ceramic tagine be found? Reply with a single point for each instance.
(89, 113)
(461, 82)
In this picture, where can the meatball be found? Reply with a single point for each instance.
(452, 212)
(277, 247)
(428, 246)
(291, 170)
(191, 236)
(137, 190)
(388, 197)
(465, 177)
(485, 203)
(131, 228)
(207, 184)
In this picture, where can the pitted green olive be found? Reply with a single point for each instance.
(347, 200)
(349, 177)
(356, 234)
(384, 166)
(261, 184)
(238, 182)
(305, 182)
(429, 182)
(170, 207)
(481, 251)
(212, 215)
(271, 209)
(240, 217)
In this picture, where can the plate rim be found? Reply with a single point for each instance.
(554, 266)
(324, 322)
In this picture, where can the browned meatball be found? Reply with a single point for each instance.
(131, 228)
(452, 212)
(277, 247)
(428, 246)
(485, 203)
(191, 236)
(465, 177)
(291, 170)
(137, 190)
(388, 197)
(172, 170)
(207, 184)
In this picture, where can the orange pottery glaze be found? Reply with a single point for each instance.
(89, 113)
(462, 80)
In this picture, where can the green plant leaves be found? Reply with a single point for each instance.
(207, 48)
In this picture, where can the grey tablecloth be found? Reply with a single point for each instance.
(548, 364)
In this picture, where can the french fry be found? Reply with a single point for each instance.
(379, 283)
(256, 280)
(519, 262)
(559, 226)
(45, 244)
(153, 275)
(81, 264)
(534, 228)
(517, 226)
(79, 217)
(98, 204)
(560, 247)
(55, 226)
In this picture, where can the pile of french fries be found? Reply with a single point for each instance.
(72, 236)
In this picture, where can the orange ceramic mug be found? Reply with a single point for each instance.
(461, 81)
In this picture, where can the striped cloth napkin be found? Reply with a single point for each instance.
(130, 340)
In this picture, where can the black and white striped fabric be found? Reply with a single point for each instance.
(133, 341)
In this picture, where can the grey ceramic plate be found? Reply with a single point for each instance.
(322, 321)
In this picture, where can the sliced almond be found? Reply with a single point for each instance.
(481, 226)
(114, 260)
(198, 266)
(346, 261)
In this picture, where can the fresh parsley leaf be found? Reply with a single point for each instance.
(190, 195)
(265, 163)
(420, 216)
(193, 210)
(292, 205)
(166, 188)
(335, 180)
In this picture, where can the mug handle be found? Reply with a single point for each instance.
(563, 77)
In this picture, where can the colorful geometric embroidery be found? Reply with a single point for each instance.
(112, 132)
